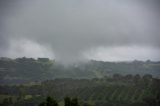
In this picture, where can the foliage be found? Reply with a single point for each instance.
(24, 70)
(125, 90)
(27, 82)
(49, 102)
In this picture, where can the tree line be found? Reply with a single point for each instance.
(50, 101)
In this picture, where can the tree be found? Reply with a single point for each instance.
(74, 102)
(147, 78)
(136, 79)
(88, 104)
(117, 76)
(6, 102)
(42, 104)
(128, 77)
(67, 101)
(49, 102)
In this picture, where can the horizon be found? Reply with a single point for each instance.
(52, 59)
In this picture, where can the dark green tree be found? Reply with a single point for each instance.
(67, 101)
(49, 102)
(6, 102)
(42, 104)
(136, 79)
(74, 102)
(88, 104)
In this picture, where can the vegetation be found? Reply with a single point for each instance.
(128, 90)
(67, 102)
(49, 102)
(32, 82)
(25, 70)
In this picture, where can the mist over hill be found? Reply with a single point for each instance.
(101, 51)
(22, 70)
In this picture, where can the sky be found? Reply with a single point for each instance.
(78, 30)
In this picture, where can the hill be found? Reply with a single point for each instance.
(21, 70)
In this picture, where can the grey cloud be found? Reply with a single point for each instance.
(72, 27)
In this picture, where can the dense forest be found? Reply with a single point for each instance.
(117, 90)
(45, 82)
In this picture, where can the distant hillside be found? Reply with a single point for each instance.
(108, 91)
(20, 70)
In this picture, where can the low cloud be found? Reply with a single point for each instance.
(27, 48)
(123, 53)
(70, 28)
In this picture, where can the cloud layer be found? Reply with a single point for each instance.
(70, 28)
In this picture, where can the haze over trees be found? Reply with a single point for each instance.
(79, 52)
(21, 70)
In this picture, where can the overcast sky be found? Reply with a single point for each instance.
(75, 30)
